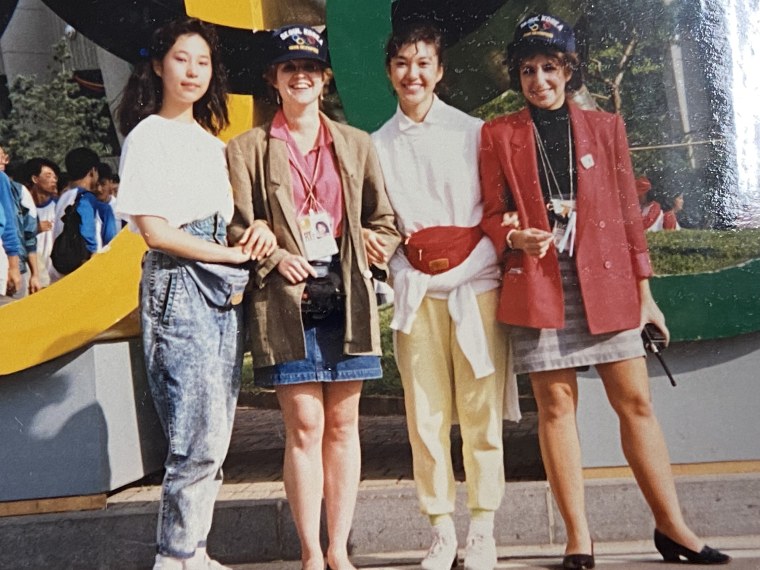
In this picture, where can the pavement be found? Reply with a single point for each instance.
(253, 528)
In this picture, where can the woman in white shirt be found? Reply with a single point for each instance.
(175, 191)
(446, 283)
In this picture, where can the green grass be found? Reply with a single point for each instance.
(696, 251)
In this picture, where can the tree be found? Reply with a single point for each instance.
(49, 119)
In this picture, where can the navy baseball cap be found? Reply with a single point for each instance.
(298, 42)
(542, 30)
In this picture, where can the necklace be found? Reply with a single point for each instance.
(551, 178)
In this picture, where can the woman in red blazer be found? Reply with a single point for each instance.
(575, 287)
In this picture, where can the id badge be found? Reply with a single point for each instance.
(317, 232)
(564, 225)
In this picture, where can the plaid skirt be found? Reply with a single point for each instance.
(539, 350)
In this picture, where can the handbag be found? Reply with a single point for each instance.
(69, 249)
(439, 248)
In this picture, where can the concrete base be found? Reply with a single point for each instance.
(81, 424)
(710, 416)
(387, 520)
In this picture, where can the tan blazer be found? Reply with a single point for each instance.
(260, 176)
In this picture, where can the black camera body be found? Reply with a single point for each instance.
(323, 295)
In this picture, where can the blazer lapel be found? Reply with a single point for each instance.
(524, 147)
(278, 185)
(347, 176)
(587, 156)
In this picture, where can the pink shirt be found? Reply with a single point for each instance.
(318, 165)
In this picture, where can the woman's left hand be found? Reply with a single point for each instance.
(650, 312)
(374, 247)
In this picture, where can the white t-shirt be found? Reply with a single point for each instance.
(45, 213)
(173, 170)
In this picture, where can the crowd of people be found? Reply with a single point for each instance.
(512, 246)
(34, 197)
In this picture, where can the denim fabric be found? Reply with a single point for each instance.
(193, 354)
(325, 361)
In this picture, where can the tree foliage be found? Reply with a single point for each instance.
(50, 118)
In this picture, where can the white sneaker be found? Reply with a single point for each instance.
(443, 552)
(168, 563)
(480, 552)
(202, 561)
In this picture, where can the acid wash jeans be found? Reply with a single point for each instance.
(193, 355)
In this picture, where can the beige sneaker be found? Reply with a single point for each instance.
(443, 552)
(480, 552)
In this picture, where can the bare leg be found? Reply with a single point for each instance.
(342, 466)
(556, 394)
(303, 413)
(627, 386)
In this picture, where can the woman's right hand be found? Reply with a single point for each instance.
(532, 241)
(295, 268)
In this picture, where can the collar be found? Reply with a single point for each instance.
(280, 130)
(434, 116)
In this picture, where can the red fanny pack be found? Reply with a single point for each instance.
(440, 248)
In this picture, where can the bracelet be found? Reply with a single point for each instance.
(509, 238)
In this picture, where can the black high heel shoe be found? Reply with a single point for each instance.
(672, 551)
(579, 561)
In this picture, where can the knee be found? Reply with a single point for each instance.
(634, 408)
(341, 428)
(305, 431)
(555, 405)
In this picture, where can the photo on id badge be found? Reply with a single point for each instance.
(316, 231)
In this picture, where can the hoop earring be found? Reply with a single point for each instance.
(277, 98)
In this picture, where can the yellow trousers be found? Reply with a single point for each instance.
(437, 380)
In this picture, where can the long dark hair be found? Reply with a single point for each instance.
(143, 94)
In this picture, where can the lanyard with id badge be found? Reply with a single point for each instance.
(314, 222)
(561, 208)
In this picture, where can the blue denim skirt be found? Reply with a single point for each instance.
(325, 361)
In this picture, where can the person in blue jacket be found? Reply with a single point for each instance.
(98, 224)
(9, 234)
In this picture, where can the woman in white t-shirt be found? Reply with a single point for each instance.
(176, 193)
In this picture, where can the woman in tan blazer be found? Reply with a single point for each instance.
(313, 315)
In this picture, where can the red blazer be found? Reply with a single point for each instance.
(610, 248)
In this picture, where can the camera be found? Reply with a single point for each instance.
(323, 295)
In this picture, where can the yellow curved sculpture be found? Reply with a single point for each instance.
(100, 298)
(82, 305)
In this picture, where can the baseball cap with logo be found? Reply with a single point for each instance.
(298, 42)
(542, 30)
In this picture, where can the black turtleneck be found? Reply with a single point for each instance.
(553, 129)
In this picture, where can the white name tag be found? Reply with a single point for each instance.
(317, 232)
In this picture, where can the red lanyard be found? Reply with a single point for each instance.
(308, 184)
